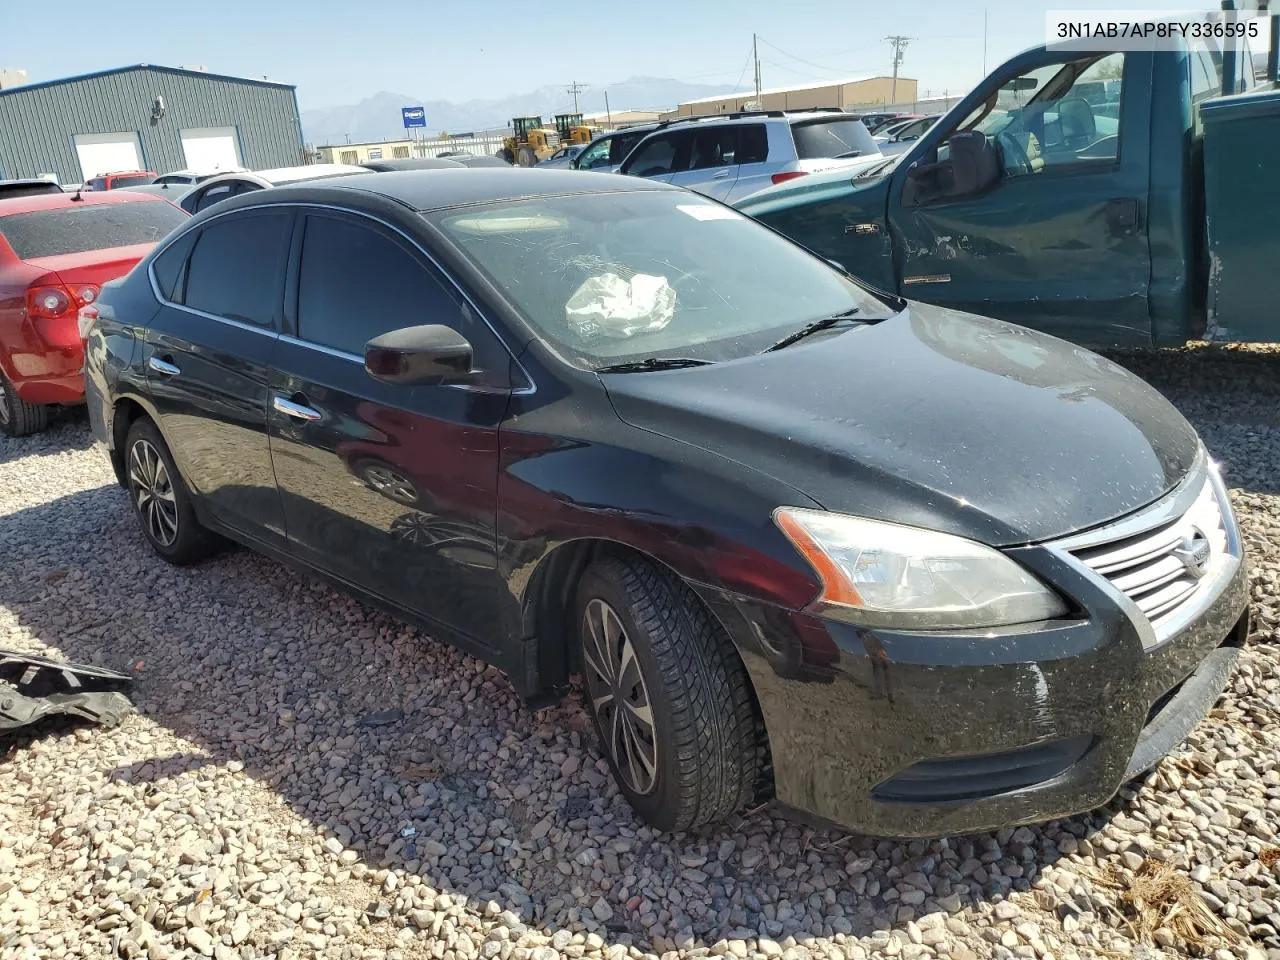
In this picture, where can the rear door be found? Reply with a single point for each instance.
(206, 353)
(392, 488)
(757, 159)
(712, 168)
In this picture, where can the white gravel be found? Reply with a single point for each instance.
(247, 812)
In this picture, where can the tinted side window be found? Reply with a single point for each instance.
(357, 282)
(237, 267)
(168, 267)
(621, 145)
(753, 143)
(714, 147)
(220, 191)
(655, 156)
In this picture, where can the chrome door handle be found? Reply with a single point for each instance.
(164, 367)
(295, 410)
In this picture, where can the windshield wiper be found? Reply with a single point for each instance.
(851, 153)
(653, 363)
(809, 328)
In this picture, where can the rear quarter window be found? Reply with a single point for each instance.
(99, 226)
(841, 137)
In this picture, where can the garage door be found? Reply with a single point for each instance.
(210, 148)
(101, 153)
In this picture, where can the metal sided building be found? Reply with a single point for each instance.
(146, 117)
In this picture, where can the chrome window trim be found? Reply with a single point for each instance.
(1170, 508)
(340, 354)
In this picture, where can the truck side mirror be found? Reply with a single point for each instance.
(971, 166)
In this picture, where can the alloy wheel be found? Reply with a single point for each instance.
(153, 493)
(619, 697)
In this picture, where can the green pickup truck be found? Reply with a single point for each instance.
(1113, 199)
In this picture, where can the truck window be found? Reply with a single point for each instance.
(1068, 119)
(1206, 70)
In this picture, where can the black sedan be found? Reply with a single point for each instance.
(903, 569)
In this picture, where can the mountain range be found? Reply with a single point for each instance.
(378, 117)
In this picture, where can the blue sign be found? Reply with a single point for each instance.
(413, 117)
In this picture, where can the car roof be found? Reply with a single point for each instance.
(55, 201)
(424, 190)
(412, 163)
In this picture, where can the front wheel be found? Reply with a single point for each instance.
(17, 417)
(161, 500)
(668, 695)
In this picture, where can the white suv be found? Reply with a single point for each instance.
(732, 155)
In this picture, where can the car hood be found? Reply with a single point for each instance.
(933, 418)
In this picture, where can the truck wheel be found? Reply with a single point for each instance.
(505, 154)
(161, 500)
(17, 417)
(669, 697)
(526, 157)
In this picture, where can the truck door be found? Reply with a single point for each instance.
(1055, 236)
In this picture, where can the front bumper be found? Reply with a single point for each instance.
(906, 735)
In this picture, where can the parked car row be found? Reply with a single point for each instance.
(730, 156)
(602, 426)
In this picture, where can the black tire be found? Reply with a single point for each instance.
(173, 531)
(505, 154)
(526, 157)
(17, 417)
(706, 762)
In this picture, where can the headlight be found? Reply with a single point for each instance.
(887, 575)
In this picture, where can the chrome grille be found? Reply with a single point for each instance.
(1161, 568)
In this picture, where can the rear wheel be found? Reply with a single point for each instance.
(526, 157)
(161, 499)
(669, 697)
(18, 418)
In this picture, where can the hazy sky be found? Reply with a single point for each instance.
(339, 51)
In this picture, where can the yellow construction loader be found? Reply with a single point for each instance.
(529, 142)
(571, 129)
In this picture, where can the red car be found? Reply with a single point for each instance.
(126, 178)
(56, 251)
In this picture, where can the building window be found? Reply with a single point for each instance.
(401, 153)
(350, 156)
(375, 153)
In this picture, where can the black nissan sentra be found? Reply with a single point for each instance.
(905, 570)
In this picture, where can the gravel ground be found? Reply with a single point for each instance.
(254, 808)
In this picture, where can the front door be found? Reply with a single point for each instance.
(660, 156)
(391, 488)
(1059, 242)
(206, 354)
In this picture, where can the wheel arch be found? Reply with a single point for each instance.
(547, 620)
(125, 411)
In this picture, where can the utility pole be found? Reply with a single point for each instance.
(899, 44)
(575, 88)
(755, 55)
(607, 115)
(984, 41)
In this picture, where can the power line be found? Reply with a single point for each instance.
(743, 72)
(809, 63)
(575, 88)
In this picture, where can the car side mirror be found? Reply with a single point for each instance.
(425, 355)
